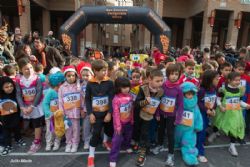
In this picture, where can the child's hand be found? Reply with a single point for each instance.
(222, 109)
(148, 99)
(158, 118)
(83, 114)
(248, 107)
(92, 118)
(1, 123)
(118, 132)
(107, 117)
(29, 109)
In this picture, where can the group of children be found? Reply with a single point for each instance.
(83, 100)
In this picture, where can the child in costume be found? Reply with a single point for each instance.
(50, 106)
(148, 100)
(170, 113)
(69, 96)
(229, 117)
(207, 103)
(122, 119)
(225, 69)
(9, 114)
(185, 132)
(29, 95)
(85, 72)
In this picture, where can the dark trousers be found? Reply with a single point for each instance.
(167, 123)
(201, 136)
(7, 135)
(144, 140)
(137, 126)
(97, 130)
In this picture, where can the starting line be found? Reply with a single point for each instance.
(102, 152)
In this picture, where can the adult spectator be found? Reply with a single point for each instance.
(48, 56)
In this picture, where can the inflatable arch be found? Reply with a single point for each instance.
(115, 15)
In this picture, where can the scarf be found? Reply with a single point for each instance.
(171, 84)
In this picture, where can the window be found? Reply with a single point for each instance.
(107, 35)
(123, 37)
(115, 27)
(115, 39)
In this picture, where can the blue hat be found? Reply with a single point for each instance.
(56, 79)
(188, 86)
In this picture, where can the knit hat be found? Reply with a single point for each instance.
(84, 66)
(54, 70)
(56, 79)
(69, 69)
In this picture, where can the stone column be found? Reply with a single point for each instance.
(187, 34)
(233, 31)
(207, 30)
(25, 22)
(46, 22)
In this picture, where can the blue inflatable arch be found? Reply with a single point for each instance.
(115, 15)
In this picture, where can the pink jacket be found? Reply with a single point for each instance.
(122, 110)
(70, 99)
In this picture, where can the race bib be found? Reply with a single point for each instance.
(151, 108)
(210, 100)
(233, 103)
(54, 105)
(100, 104)
(167, 104)
(187, 118)
(243, 83)
(125, 110)
(7, 107)
(29, 94)
(71, 100)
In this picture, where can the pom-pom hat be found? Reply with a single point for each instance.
(84, 66)
(69, 69)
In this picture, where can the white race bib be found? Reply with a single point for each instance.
(100, 104)
(167, 104)
(187, 118)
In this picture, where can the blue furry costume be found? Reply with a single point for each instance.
(185, 133)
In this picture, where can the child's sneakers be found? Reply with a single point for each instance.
(213, 136)
(68, 148)
(202, 159)
(74, 148)
(56, 146)
(21, 143)
(91, 162)
(141, 157)
(107, 145)
(112, 164)
(86, 146)
(34, 148)
(170, 160)
(232, 149)
(129, 150)
(157, 149)
(48, 147)
(135, 148)
(6, 150)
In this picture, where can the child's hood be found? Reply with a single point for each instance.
(3, 95)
